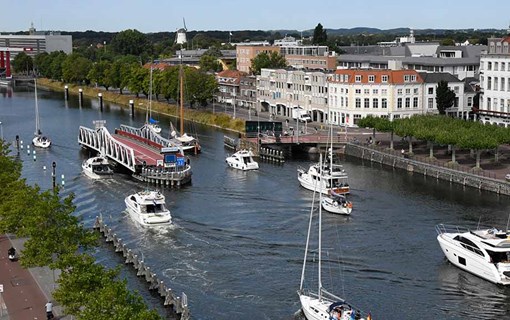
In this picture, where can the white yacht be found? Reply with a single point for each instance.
(318, 303)
(325, 178)
(242, 160)
(484, 252)
(97, 168)
(148, 208)
(337, 203)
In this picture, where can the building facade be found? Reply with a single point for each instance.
(309, 57)
(245, 52)
(494, 104)
(229, 86)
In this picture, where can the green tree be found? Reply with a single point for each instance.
(23, 63)
(131, 42)
(274, 60)
(445, 98)
(75, 68)
(320, 37)
(99, 73)
(210, 64)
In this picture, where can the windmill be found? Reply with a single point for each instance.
(181, 34)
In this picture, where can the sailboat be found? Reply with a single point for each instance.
(185, 139)
(153, 124)
(322, 304)
(39, 140)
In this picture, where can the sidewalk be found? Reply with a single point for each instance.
(25, 291)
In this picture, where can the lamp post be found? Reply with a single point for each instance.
(1, 131)
(53, 176)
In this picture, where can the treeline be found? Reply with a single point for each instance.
(442, 130)
(57, 239)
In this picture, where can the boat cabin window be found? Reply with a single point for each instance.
(497, 257)
(469, 245)
(153, 208)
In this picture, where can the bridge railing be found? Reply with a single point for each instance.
(102, 141)
(148, 133)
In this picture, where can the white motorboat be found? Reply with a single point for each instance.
(97, 168)
(242, 160)
(148, 208)
(325, 178)
(485, 252)
(337, 203)
(39, 140)
(321, 304)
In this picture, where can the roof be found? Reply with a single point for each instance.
(436, 77)
(394, 76)
(428, 61)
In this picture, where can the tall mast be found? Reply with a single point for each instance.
(37, 129)
(181, 80)
(320, 238)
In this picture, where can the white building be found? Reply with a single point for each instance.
(494, 105)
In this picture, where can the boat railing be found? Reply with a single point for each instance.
(449, 228)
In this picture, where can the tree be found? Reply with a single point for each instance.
(445, 98)
(99, 73)
(23, 63)
(274, 60)
(75, 68)
(210, 63)
(132, 42)
(320, 37)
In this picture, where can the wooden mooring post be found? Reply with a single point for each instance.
(179, 304)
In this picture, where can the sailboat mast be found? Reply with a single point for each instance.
(181, 80)
(149, 113)
(320, 239)
(307, 240)
(37, 129)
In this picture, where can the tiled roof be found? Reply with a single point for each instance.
(394, 76)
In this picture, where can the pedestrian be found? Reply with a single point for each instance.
(49, 310)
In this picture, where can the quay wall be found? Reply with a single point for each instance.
(426, 169)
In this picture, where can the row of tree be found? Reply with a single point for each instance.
(442, 130)
(57, 239)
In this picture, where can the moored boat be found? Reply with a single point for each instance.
(484, 251)
(148, 208)
(325, 178)
(337, 203)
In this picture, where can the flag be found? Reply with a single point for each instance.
(152, 121)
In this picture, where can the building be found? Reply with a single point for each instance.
(229, 82)
(288, 41)
(309, 57)
(494, 104)
(355, 94)
(248, 92)
(460, 61)
(192, 57)
(36, 42)
(245, 52)
(280, 91)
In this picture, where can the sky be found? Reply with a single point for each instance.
(230, 15)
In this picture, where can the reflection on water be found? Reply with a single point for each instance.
(236, 246)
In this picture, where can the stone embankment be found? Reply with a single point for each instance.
(396, 160)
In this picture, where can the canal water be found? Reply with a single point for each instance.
(236, 247)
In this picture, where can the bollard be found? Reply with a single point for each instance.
(100, 96)
(17, 142)
(80, 97)
(132, 108)
(53, 176)
(66, 92)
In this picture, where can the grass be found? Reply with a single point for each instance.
(219, 120)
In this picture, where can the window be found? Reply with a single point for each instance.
(413, 78)
(489, 83)
(366, 91)
(470, 101)
(375, 91)
(408, 91)
(399, 92)
(489, 65)
(415, 102)
(384, 103)
(495, 66)
(399, 103)
(456, 89)
(408, 102)
(415, 91)
(384, 92)
(495, 83)
(431, 90)
(357, 78)
(384, 78)
(358, 102)
(371, 78)
(375, 103)
(367, 103)
(407, 78)
(358, 91)
(430, 103)
(503, 66)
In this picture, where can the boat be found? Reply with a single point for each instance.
(148, 208)
(324, 178)
(153, 124)
(97, 168)
(187, 140)
(482, 251)
(322, 304)
(40, 140)
(242, 160)
(337, 203)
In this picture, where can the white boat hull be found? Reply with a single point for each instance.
(315, 309)
(472, 262)
(309, 183)
(139, 211)
(41, 142)
(333, 206)
(242, 160)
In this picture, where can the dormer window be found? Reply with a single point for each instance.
(371, 78)
(357, 78)
(384, 78)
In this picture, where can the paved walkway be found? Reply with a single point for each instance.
(25, 291)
